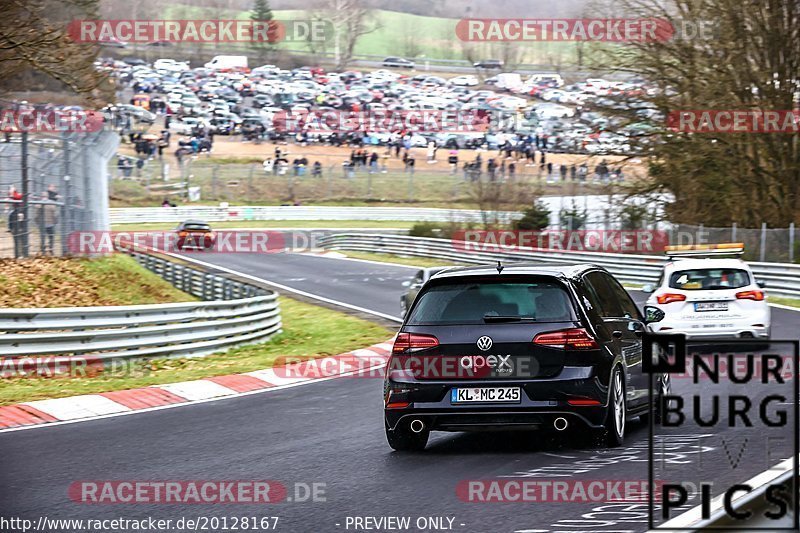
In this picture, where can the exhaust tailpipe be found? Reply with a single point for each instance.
(417, 426)
(560, 424)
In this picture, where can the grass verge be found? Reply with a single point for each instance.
(299, 224)
(57, 282)
(791, 302)
(422, 262)
(308, 330)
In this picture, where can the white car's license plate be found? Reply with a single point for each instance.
(711, 306)
(486, 395)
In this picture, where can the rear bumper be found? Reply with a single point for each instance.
(542, 402)
(496, 420)
(720, 328)
(730, 331)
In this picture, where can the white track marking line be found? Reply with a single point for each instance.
(289, 289)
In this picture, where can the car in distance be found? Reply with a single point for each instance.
(707, 296)
(467, 80)
(520, 347)
(414, 285)
(488, 64)
(397, 62)
(194, 235)
(138, 113)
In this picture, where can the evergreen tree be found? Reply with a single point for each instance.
(261, 12)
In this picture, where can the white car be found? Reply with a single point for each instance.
(554, 95)
(549, 110)
(709, 298)
(609, 143)
(464, 81)
(180, 127)
(170, 65)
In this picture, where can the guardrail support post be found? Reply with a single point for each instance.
(791, 242)
(763, 241)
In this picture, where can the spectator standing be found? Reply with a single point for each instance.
(47, 219)
(452, 159)
(16, 219)
(583, 171)
(410, 162)
(491, 166)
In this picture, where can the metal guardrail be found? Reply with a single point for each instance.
(233, 314)
(130, 215)
(782, 279)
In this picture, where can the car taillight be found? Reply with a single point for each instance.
(583, 402)
(750, 295)
(567, 339)
(182, 234)
(670, 297)
(409, 342)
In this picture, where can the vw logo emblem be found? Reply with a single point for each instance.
(484, 343)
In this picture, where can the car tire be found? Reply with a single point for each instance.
(617, 411)
(402, 439)
(664, 389)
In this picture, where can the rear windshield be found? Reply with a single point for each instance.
(196, 227)
(479, 302)
(709, 279)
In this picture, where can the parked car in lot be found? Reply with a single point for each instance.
(194, 235)
(170, 66)
(488, 64)
(398, 62)
(522, 347)
(467, 80)
(138, 113)
(550, 110)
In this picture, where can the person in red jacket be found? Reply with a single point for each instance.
(14, 194)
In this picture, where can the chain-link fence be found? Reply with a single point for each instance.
(155, 179)
(776, 245)
(50, 186)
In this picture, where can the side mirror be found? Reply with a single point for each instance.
(653, 314)
(648, 288)
(761, 284)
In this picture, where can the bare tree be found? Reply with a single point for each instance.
(494, 196)
(411, 45)
(351, 19)
(33, 35)
(748, 58)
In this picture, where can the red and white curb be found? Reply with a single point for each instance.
(93, 406)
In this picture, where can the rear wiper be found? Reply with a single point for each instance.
(508, 318)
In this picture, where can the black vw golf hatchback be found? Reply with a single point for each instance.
(520, 347)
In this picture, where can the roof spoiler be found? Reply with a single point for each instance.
(704, 250)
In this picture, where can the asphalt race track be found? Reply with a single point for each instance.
(331, 432)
